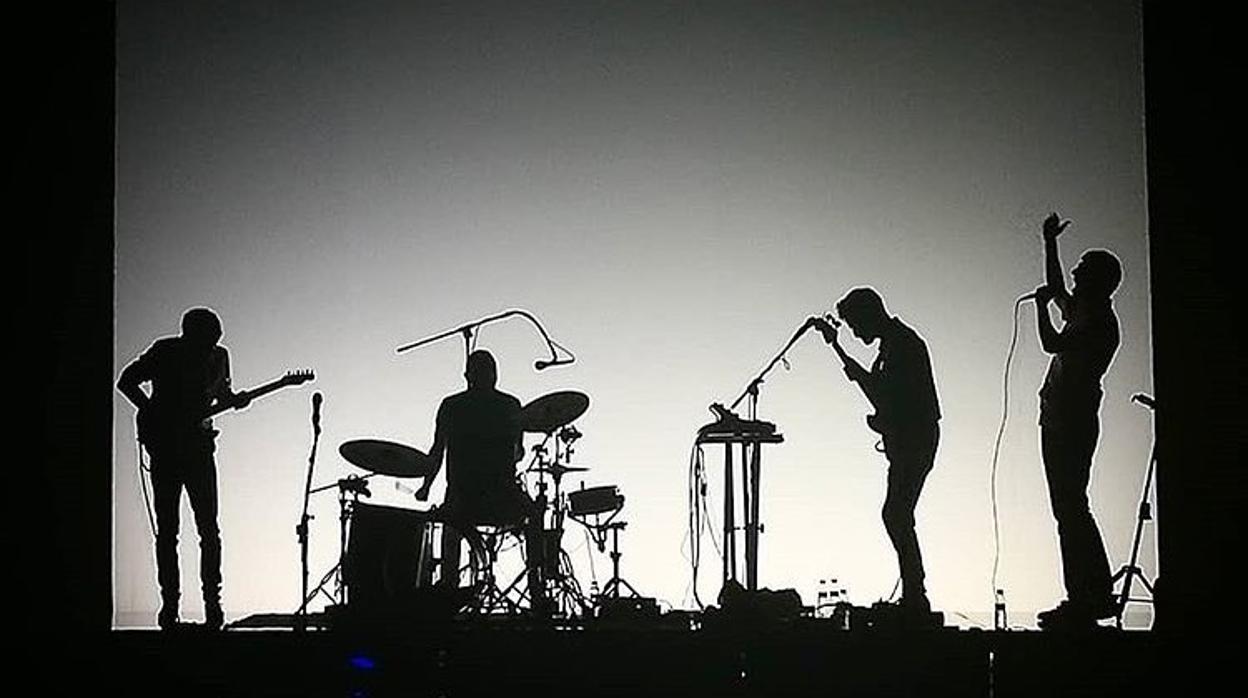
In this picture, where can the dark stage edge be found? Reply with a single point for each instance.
(805, 658)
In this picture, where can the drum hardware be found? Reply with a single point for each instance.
(379, 458)
(386, 458)
(596, 502)
(549, 412)
(349, 490)
(551, 415)
(489, 596)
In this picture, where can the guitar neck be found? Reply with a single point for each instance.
(250, 394)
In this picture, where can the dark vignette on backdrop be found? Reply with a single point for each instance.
(65, 176)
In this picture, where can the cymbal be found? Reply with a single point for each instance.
(556, 469)
(549, 412)
(386, 458)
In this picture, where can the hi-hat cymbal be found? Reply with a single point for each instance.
(386, 458)
(549, 412)
(557, 469)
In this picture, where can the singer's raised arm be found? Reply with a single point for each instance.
(1054, 277)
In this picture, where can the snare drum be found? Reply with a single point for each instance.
(595, 500)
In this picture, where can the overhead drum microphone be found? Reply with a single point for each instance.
(543, 365)
(317, 398)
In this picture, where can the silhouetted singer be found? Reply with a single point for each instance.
(901, 389)
(1070, 401)
(189, 374)
(479, 432)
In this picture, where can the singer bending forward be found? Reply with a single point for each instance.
(902, 391)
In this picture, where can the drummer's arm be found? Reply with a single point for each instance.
(435, 460)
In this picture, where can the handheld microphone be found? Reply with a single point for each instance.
(1145, 400)
(316, 410)
(543, 365)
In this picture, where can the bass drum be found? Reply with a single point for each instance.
(389, 556)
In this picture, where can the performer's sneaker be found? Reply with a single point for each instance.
(1077, 614)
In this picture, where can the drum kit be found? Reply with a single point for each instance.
(387, 553)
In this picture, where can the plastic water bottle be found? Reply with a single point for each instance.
(999, 621)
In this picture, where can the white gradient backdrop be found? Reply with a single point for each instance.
(671, 189)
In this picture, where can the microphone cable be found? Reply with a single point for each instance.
(996, 448)
(145, 471)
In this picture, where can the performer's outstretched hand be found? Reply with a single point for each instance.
(1054, 226)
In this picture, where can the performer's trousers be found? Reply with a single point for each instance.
(1066, 446)
(911, 453)
(186, 466)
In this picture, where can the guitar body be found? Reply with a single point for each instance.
(161, 429)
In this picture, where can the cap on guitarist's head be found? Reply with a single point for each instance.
(863, 310)
(201, 326)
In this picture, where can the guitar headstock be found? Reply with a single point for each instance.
(297, 377)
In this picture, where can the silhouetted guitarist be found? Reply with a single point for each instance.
(189, 375)
(1070, 402)
(901, 389)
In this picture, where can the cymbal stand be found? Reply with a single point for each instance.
(568, 594)
(563, 589)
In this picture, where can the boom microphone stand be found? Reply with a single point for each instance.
(467, 329)
(751, 470)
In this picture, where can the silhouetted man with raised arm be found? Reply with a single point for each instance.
(1070, 401)
(189, 374)
(479, 433)
(902, 391)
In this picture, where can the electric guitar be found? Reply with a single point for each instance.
(158, 426)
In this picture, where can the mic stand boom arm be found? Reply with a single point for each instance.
(752, 388)
(467, 329)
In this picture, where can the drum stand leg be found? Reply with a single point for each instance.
(490, 597)
(612, 588)
(566, 596)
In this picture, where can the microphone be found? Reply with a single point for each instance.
(1144, 400)
(316, 410)
(543, 365)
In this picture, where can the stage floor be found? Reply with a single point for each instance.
(662, 657)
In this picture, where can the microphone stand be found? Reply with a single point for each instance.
(751, 470)
(467, 330)
(301, 530)
(752, 388)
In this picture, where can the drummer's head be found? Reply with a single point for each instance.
(481, 370)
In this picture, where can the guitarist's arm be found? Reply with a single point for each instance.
(129, 384)
(221, 389)
(853, 370)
